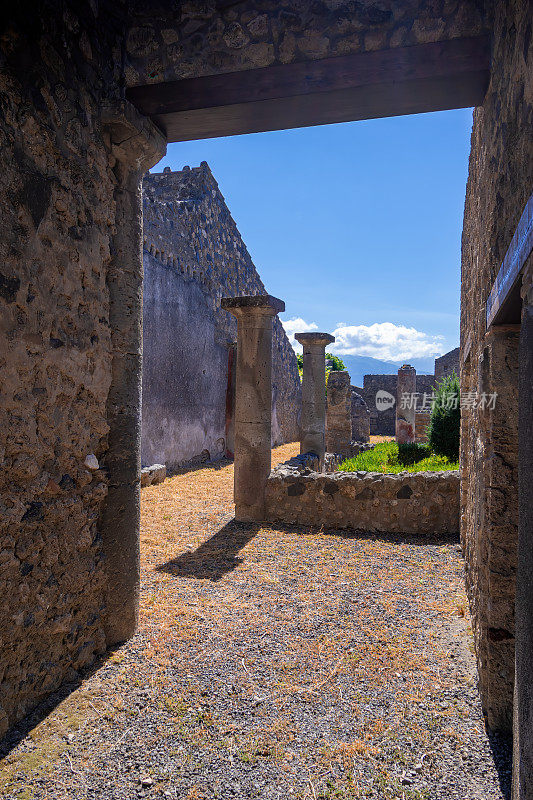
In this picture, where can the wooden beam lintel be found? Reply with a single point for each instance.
(402, 80)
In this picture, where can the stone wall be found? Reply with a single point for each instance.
(56, 216)
(422, 421)
(413, 503)
(499, 184)
(383, 423)
(338, 413)
(448, 363)
(193, 256)
(208, 38)
(185, 371)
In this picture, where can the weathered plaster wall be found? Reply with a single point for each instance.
(56, 219)
(203, 38)
(500, 181)
(193, 256)
(416, 503)
(184, 370)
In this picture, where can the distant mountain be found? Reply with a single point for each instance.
(359, 366)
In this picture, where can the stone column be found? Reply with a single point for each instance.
(406, 416)
(360, 418)
(339, 413)
(253, 401)
(135, 145)
(523, 710)
(313, 425)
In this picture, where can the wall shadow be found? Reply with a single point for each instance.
(376, 536)
(21, 729)
(219, 554)
(215, 557)
(501, 745)
(195, 466)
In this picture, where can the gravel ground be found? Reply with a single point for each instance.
(272, 663)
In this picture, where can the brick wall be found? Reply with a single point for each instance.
(447, 364)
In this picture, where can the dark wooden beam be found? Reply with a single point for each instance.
(504, 303)
(383, 83)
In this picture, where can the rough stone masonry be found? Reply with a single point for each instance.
(415, 503)
(339, 413)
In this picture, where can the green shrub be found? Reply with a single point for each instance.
(412, 452)
(336, 364)
(445, 423)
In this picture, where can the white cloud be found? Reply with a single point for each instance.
(382, 340)
(297, 325)
(385, 341)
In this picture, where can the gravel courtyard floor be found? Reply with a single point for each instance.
(272, 663)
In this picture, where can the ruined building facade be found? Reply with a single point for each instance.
(193, 255)
(91, 93)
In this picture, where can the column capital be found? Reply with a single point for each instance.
(134, 140)
(314, 338)
(257, 305)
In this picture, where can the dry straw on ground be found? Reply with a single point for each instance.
(272, 663)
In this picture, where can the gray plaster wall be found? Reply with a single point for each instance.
(193, 256)
(184, 371)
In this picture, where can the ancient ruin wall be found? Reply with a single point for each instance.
(194, 255)
(447, 364)
(57, 213)
(383, 422)
(416, 503)
(360, 417)
(500, 181)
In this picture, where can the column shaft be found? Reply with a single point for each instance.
(253, 401)
(406, 405)
(339, 413)
(135, 145)
(313, 422)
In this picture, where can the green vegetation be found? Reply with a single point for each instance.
(388, 457)
(445, 423)
(336, 364)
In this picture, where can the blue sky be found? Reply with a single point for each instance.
(356, 226)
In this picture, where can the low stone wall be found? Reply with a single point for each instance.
(415, 503)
